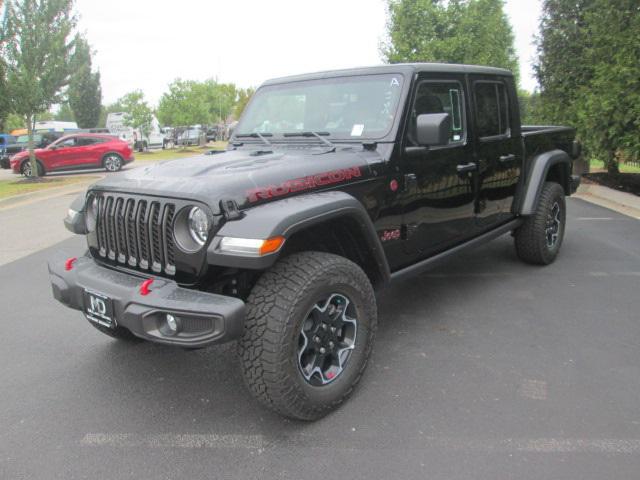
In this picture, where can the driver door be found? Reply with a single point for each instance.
(63, 154)
(439, 202)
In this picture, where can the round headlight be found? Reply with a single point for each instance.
(91, 213)
(198, 225)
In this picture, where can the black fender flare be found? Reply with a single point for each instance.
(286, 217)
(540, 166)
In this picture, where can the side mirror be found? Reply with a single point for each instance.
(53, 147)
(433, 129)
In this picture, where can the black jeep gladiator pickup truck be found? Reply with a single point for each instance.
(333, 185)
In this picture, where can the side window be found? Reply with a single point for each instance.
(492, 109)
(69, 142)
(440, 97)
(85, 141)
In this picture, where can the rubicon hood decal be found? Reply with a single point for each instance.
(303, 183)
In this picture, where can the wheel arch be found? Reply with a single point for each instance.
(332, 222)
(554, 166)
(38, 161)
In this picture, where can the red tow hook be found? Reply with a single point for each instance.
(144, 287)
(68, 265)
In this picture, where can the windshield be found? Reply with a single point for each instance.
(344, 107)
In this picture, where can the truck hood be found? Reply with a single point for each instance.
(249, 177)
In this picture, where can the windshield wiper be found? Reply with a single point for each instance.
(312, 134)
(261, 136)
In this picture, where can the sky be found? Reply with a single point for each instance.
(142, 44)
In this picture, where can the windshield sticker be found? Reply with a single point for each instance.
(395, 82)
(357, 130)
(304, 183)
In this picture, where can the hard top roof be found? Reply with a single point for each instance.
(404, 68)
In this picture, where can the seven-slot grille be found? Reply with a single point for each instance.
(137, 232)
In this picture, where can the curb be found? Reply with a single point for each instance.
(621, 202)
(44, 194)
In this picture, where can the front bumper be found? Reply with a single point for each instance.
(204, 318)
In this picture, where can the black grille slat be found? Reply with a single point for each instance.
(130, 232)
(102, 242)
(155, 237)
(121, 239)
(143, 234)
(136, 232)
(110, 227)
(169, 246)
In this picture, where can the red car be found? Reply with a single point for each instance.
(83, 150)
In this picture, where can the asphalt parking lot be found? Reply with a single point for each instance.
(483, 368)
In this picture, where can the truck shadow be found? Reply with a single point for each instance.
(202, 390)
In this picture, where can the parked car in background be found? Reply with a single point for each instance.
(21, 143)
(133, 136)
(5, 140)
(191, 136)
(169, 134)
(77, 151)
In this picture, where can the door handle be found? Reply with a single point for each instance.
(507, 158)
(467, 167)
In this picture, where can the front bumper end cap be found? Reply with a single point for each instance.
(204, 318)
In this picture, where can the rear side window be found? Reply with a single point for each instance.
(492, 109)
(85, 141)
(441, 97)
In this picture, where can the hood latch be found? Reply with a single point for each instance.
(231, 210)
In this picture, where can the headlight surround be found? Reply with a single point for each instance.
(91, 213)
(198, 225)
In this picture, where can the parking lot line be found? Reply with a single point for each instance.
(260, 442)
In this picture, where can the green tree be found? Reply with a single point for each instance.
(561, 67)
(64, 113)
(589, 73)
(13, 122)
(181, 105)
(5, 106)
(189, 102)
(37, 52)
(139, 113)
(531, 112)
(610, 105)
(244, 95)
(458, 31)
(84, 93)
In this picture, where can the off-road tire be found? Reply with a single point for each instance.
(277, 305)
(119, 333)
(531, 238)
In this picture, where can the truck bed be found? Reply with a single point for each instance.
(543, 138)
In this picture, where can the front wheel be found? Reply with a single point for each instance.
(25, 169)
(309, 330)
(112, 162)
(539, 238)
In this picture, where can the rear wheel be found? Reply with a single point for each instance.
(538, 240)
(309, 331)
(112, 162)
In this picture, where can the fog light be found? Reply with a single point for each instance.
(172, 324)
